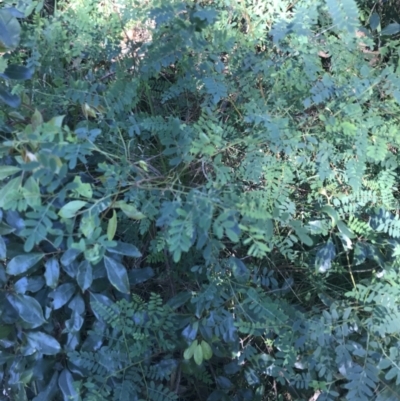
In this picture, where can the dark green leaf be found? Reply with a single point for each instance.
(52, 272)
(178, 300)
(49, 390)
(324, 257)
(69, 256)
(43, 343)
(391, 29)
(3, 249)
(98, 301)
(84, 276)
(10, 30)
(62, 295)
(28, 308)
(224, 382)
(239, 269)
(374, 21)
(66, 384)
(10, 100)
(125, 249)
(18, 72)
(117, 274)
(138, 276)
(21, 285)
(21, 263)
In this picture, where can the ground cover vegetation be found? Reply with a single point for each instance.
(198, 200)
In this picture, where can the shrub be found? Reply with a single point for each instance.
(209, 215)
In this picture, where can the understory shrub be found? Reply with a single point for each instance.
(199, 201)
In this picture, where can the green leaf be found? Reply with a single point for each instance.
(28, 308)
(239, 269)
(189, 352)
(122, 248)
(112, 226)
(21, 263)
(117, 275)
(3, 248)
(71, 208)
(84, 276)
(49, 390)
(69, 256)
(10, 192)
(207, 351)
(332, 213)
(10, 30)
(66, 384)
(83, 189)
(9, 99)
(43, 343)
(52, 272)
(130, 210)
(61, 295)
(198, 355)
(138, 276)
(18, 72)
(31, 192)
(391, 29)
(374, 21)
(6, 171)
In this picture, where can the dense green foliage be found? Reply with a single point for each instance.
(199, 201)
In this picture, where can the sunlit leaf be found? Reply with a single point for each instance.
(21, 263)
(28, 308)
(43, 343)
(52, 272)
(117, 274)
(71, 208)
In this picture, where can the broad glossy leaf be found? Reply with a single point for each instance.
(391, 29)
(69, 256)
(223, 382)
(138, 276)
(84, 277)
(324, 257)
(21, 263)
(189, 333)
(66, 384)
(9, 99)
(10, 30)
(6, 171)
(49, 390)
(97, 301)
(71, 209)
(18, 72)
(117, 274)
(52, 272)
(125, 249)
(43, 343)
(74, 324)
(374, 21)
(77, 304)
(3, 248)
(21, 285)
(180, 299)
(62, 294)
(28, 308)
